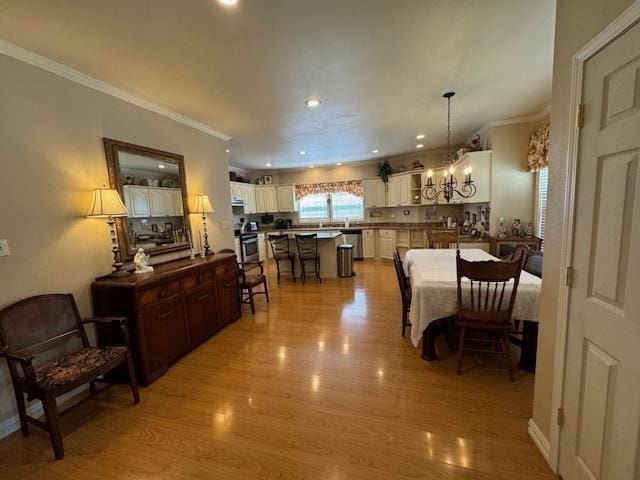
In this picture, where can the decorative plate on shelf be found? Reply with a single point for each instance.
(168, 183)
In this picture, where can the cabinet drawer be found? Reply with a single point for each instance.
(368, 233)
(226, 268)
(387, 233)
(197, 279)
(157, 294)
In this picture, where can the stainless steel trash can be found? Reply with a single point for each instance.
(345, 260)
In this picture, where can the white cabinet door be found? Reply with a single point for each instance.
(236, 244)
(369, 193)
(380, 193)
(178, 207)
(387, 246)
(137, 201)
(404, 190)
(262, 247)
(369, 247)
(261, 200)
(286, 198)
(161, 202)
(392, 192)
(272, 199)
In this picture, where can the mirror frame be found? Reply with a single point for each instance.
(111, 148)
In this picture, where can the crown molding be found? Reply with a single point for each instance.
(76, 76)
(512, 121)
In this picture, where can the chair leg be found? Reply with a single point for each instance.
(92, 387)
(461, 350)
(51, 415)
(293, 269)
(251, 302)
(318, 269)
(22, 411)
(404, 319)
(507, 350)
(266, 291)
(303, 272)
(133, 381)
(278, 270)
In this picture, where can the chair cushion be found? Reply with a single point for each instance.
(253, 280)
(76, 364)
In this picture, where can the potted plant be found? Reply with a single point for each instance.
(385, 170)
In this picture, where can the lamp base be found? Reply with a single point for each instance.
(118, 273)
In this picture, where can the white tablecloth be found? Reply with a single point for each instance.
(434, 287)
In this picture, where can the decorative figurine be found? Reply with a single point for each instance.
(141, 261)
(502, 230)
(516, 228)
(528, 232)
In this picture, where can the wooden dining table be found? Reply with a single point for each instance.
(434, 300)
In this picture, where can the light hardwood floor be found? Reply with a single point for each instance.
(319, 385)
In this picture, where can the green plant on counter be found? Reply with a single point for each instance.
(385, 170)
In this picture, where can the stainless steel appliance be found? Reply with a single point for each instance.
(354, 237)
(249, 247)
(281, 224)
(253, 227)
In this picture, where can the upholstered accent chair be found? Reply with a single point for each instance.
(34, 326)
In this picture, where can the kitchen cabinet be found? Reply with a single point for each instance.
(262, 247)
(392, 192)
(375, 193)
(136, 199)
(266, 199)
(425, 180)
(404, 189)
(386, 243)
(286, 198)
(152, 201)
(368, 243)
(236, 247)
(178, 207)
(161, 201)
(246, 192)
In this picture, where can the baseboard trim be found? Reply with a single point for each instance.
(539, 439)
(12, 424)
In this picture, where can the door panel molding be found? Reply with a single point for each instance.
(620, 25)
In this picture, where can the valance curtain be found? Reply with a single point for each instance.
(538, 149)
(354, 187)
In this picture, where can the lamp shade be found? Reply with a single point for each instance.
(106, 202)
(201, 204)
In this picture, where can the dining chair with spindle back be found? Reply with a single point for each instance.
(486, 295)
(405, 290)
(250, 276)
(439, 237)
(281, 253)
(307, 244)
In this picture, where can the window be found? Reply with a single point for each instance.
(330, 207)
(541, 201)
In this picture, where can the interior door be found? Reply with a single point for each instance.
(599, 439)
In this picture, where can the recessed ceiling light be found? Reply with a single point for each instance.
(312, 102)
(339, 163)
(420, 136)
(228, 3)
(161, 166)
(312, 166)
(419, 145)
(267, 165)
(228, 151)
(375, 150)
(302, 152)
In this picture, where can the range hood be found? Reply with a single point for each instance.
(237, 202)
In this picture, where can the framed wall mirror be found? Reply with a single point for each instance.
(152, 185)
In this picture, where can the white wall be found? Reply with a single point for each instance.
(51, 154)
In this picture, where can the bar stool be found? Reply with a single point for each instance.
(280, 249)
(308, 251)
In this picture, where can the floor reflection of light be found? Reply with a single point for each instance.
(345, 348)
(380, 373)
(282, 354)
(223, 418)
(315, 382)
(463, 452)
(356, 311)
(321, 346)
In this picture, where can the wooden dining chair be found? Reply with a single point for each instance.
(485, 304)
(439, 237)
(37, 325)
(280, 248)
(521, 249)
(405, 290)
(307, 244)
(251, 275)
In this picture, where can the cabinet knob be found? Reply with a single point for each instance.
(200, 278)
(163, 294)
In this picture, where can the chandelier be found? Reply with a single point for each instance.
(448, 184)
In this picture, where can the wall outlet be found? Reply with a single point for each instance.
(225, 224)
(407, 212)
(4, 248)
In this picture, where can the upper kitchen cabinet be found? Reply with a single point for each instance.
(392, 192)
(404, 189)
(374, 193)
(266, 199)
(286, 198)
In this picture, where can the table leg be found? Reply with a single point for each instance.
(529, 346)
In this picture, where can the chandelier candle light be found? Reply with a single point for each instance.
(202, 205)
(106, 203)
(448, 183)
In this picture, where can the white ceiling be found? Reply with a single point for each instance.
(379, 66)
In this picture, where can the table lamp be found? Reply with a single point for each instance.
(106, 203)
(202, 205)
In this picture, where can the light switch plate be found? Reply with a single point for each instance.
(4, 248)
(225, 224)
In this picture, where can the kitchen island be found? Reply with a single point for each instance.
(328, 242)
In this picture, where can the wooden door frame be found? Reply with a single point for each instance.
(615, 29)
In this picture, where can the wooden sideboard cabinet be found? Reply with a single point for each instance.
(171, 310)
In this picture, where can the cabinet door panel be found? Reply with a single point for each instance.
(228, 298)
(165, 334)
(380, 193)
(139, 202)
(368, 249)
(161, 202)
(202, 312)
